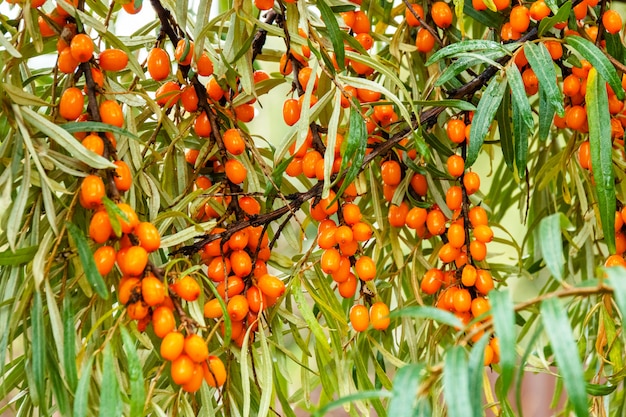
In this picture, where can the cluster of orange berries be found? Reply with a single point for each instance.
(441, 15)
(238, 268)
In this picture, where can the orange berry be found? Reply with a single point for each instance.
(391, 172)
(425, 41)
(330, 260)
(478, 250)
(128, 288)
(204, 65)
(436, 222)
(184, 52)
(448, 253)
(111, 113)
(163, 321)
(202, 125)
(584, 155)
(419, 184)
(148, 235)
(483, 233)
(454, 197)
(520, 18)
(182, 369)
(271, 286)
(441, 14)
(235, 286)
(484, 281)
(468, 276)
(233, 142)
(92, 191)
(409, 16)
(100, 229)
(462, 300)
(361, 22)
(81, 47)
(531, 82)
(134, 262)
(214, 372)
(612, 21)
(576, 117)
(104, 258)
(347, 289)
(67, 63)
(379, 316)
(71, 103)
(456, 235)
(236, 172)
(131, 221)
(291, 111)
(172, 346)
(431, 283)
(187, 288)
(196, 348)
(455, 165)
(213, 309)
(237, 307)
(455, 130)
(359, 317)
(397, 214)
(152, 290)
(502, 4)
(241, 263)
(365, 268)
(471, 182)
(361, 231)
(113, 60)
(158, 64)
(138, 310)
(194, 384)
(480, 307)
(416, 218)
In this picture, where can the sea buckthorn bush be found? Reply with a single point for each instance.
(287, 207)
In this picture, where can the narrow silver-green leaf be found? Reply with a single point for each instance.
(86, 258)
(307, 314)
(561, 16)
(599, 120)
(353, 150)
(599, 61)
(522, 118)
(110, 398)
(65, 140)
(18, 209)
(557, 326)
(486, 111)
(135, 375)
(456, 383)
(504, 117)
(476, 366)
(69, 344)
(334, 32)
(542, 64)
(617, 280)
(17, 257)
(405, 385)
(359, 396)
(38, 346)
(465, 46)
(504, 325)
(427, 312)
(552, 245)
(81, 398)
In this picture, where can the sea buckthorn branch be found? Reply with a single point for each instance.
(260, 37)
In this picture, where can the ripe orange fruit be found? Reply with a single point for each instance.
(454, 197)
(330, 260)
(456, 235)
(480, 306)
(128, 288)
(235, 286)
(347, 289)
(213, 309)
(361, 232)
(471, 181)
(379, 316)
(361, 22)
(81, 47)
(271, 286)
(531, 82)
(94, 143)
(431, 283)
(71, 103)
(92, 190)
(66, 62)
(187, 288)
(455, 165)
(202, 125)
(391, 172)
(195, 382)
(359, 317)
(425, 41)
(264, 4)
(196, 348)
(416, 218)
(204, 65)
(351, 214)
(113, 60)
(410, 18)
(236, 172)
(448, 253)
(478, 250)
(455, 130)
(182, 369)
(571, 85)
(138, 310)
(478, 216)
(172, 346)
(214, 372)
(483, 233)
(539, 10)
(111, 113)
(436, 222)
(148, 235)
(250, 205)
(584, 155)
(468, 276)
(520, 18)
(123, 178)
(134, 261)
(441, 14)
(167, 94)
(419, 184)
(502, 4)
(241, 263)
(158, 64)
(365, 268)
(131, 221)
(163, 321)
(291, 111)
(233, 142)
(576, 117)
(462, 300)
(104, 257)
(184, 52)
(484, 281)
(237, 307)
(612, 21)
(152, 290)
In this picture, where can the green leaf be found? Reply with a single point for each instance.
(546, 115)
(598, 60)
(504, 324)
(476, 368)
(617, 280)
(565, 349)
(110, 399)
(19, 257)
(22, 97)
(561, 16)
(362, 395)
(552, 244)
(465, 46)
(598, 390)
(76, 127)
(503, 117)
(614, 46)
(487, 107)
(457, 104)
(599, 120)
(353, 150)
(86, 258)
(69, 344)
(405, 386)
(456, 382)
(115, 214)
(307, 313)
(38, 349)
(65, 140)
(135, 375)
(427, 312)
(542, 64)
(81, 399)
(334, 32)
(522, 118)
